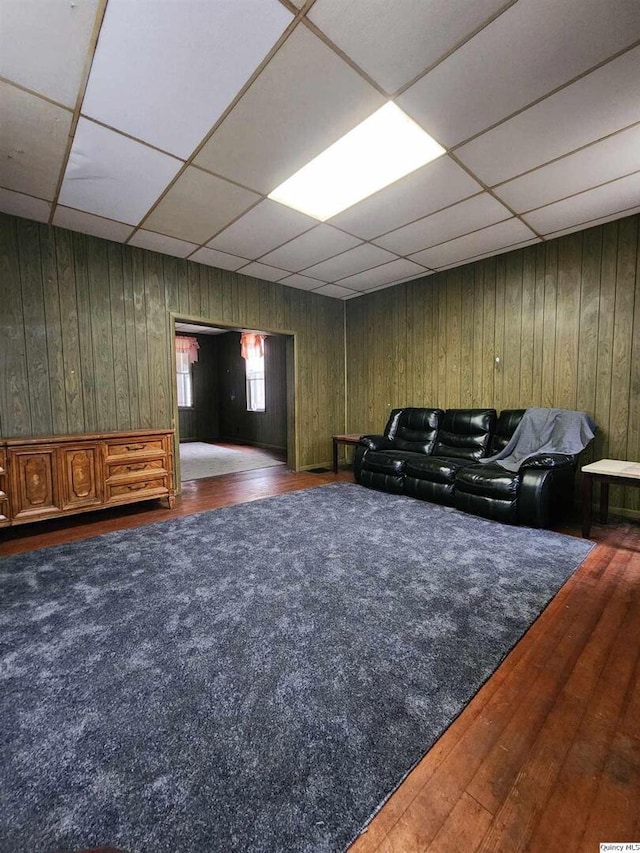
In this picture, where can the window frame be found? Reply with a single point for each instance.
(180, 358)
(255, 384)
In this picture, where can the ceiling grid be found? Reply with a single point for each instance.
(536, 104)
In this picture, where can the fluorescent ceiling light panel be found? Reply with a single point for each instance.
(383, 148)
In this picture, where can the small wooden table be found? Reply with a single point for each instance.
(605, 471)
(342, 439)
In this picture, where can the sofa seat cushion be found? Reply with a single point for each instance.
(388, 461)
(491, 481)
(436, 469)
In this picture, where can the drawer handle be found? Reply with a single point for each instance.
(135, 487)
(135, 446)
(139, 467)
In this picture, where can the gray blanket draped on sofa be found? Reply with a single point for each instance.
(545, 431)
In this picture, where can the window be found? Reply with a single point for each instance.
(252, 350)
(255, 384)
(185, 381)
(186, 354)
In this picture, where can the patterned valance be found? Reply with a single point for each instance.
(188, 345)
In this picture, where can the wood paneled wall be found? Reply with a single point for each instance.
(202, 421)
(85, 335)
(265, 429)
(562, 317)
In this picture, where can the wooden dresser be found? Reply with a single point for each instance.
(64, 474)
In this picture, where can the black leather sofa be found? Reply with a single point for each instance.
(434, 455)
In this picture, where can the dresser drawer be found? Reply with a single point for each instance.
(4, 510)
(141, 447)
(132, 470)
(138, 490)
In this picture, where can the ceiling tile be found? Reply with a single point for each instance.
(44, 45)
(301, 281)
(264, 227)
(305, 99)
(33, 142)
(263, 271)
(430, 188)
(599, 104)
(512, 247)
(198, 205)
(394, 42)
(487, 240)
(394, 271)
(424, 274)
(24, 205)
(316, 245)
(601, 220)
(213, 258)
(459, 219)
(161, 243)
(521, 56)
(165, 72)
(97, 226)
(602, 201)
(335, 291)
(113, 176)
(350, 262)
(612, 158)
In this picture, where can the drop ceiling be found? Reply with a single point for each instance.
(165, 124)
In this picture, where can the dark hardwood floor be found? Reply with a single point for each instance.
(547, 755)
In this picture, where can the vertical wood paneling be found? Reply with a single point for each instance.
(622, 344)
(605, 335)
(499, 351)
(588, 335)
(452, 329)
(70, 332)
(53, 320)
(633, 444)
(512, 334)
(527, 326)
(549, 324)
(538, 322)
(141, 344)
(86, 335)
(14, 383)
(119, 337)
(467, 337)
(488, 354)
(478, 332)
(101, 333)
(564, 317)
(130, 337)
(35, 327)
(567, 320)
(85, 338)
(157, 337)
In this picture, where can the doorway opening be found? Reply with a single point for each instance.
(234, 399)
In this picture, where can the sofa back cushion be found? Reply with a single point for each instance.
(505, 428)
(465, 433)
(414, 429)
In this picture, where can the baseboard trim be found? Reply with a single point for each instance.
(236, 440)
(328, 465)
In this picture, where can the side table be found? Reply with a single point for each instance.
(605, 471)
(350, 438)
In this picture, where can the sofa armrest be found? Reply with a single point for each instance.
(548, 461)
(376, 442)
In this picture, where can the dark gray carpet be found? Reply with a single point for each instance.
(258, 678)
